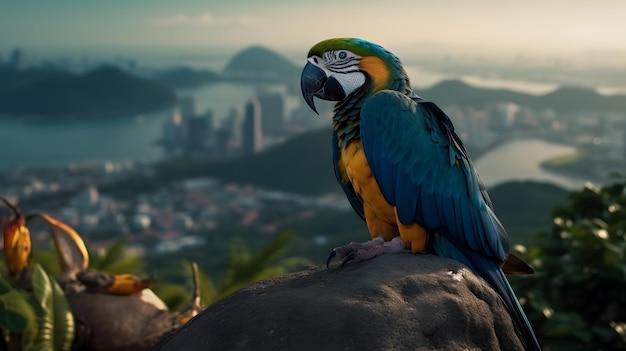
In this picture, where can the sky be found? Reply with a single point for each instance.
(492, 27)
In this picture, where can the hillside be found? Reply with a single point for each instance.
(301, 165)
(525, 208)
(259, 63)
(563, 100)
(104, 91)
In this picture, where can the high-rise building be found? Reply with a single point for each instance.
(272, 112)
(199, 131)
(502, 116)
(229, 134)
(251, 130)
(187, 106)
(172, 130)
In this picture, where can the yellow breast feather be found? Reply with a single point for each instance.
(381, 217)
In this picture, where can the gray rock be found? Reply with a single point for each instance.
(392, 302)
(107, 322)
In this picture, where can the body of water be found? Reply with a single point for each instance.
(25, 143)
(116, 139)
(521, 160)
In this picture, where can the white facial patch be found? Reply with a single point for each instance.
(349, 81)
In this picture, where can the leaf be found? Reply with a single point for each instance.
(56, 323)
(245, 268)
(16, 313)
(5, 286)
(208, 291)
(70, 247)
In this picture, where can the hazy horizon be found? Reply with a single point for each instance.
(484, 28)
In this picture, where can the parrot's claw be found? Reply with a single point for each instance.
(364, 251)
(330, 257)
(352, 256)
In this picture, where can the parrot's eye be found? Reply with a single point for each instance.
(342, 55)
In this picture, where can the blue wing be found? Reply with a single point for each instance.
(423, 169)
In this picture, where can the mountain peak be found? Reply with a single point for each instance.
(257, 62)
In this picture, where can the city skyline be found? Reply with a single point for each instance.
(484, 27)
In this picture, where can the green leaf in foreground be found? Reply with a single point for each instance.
(16, 313)
(56, 324)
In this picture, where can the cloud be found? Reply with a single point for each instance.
(204, 19)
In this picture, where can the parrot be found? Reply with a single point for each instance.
(404, 169)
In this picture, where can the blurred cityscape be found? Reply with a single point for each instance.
(175, 213)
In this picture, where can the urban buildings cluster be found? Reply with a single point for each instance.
(263, 121)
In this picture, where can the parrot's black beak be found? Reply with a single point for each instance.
(311, 81)
(315, 83)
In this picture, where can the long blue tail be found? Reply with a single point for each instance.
(493, 274)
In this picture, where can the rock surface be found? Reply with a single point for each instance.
(119, 323)
(392, 302)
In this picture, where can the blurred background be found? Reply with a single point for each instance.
(179, 126)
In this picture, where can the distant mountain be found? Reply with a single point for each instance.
(262, 64)
(104, 91)
(563, 100)
(259, 64)
(254, 64)
(11, 78)
(454, 92)
(185, 78)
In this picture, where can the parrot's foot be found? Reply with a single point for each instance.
(364, 251)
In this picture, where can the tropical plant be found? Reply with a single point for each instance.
(576, 298)
(244, 267)
(116, 259)
(35, 321)
(34, 313)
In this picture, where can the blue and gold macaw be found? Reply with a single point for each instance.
(405, 170)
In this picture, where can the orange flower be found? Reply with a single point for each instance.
(17, 244)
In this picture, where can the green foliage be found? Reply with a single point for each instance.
(175, 296)
(17, 315)
(117, 259)
(56, 323)
(41, 320)
(47, 259)
(244, 267)
(576, 297)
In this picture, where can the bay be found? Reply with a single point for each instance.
(520, 160)
(116, 139)
(26, 143)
